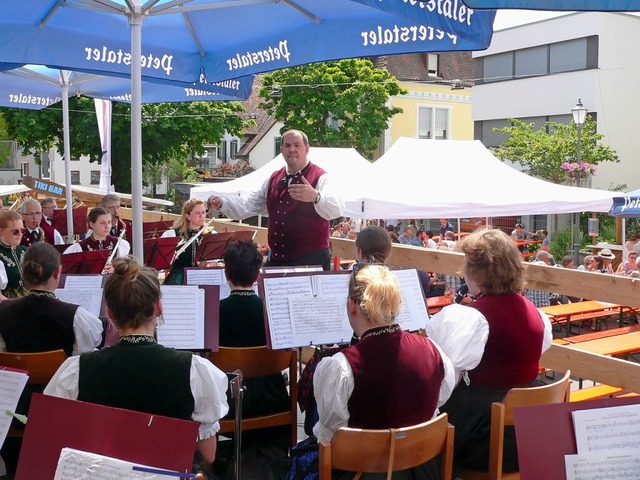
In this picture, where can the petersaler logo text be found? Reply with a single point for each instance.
(119, 57)
(386, 35)
(28, 99)
(630, 203)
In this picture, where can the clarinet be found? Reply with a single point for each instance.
(186, 244)
(115, 249)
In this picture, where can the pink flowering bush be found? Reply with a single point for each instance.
(579, 169)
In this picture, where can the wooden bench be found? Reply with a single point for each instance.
(590, 393)
(581, 317)
(611, 332)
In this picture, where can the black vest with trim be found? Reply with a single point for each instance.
(145, 377)
(37, 324)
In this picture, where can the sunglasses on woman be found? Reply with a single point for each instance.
(19, 231)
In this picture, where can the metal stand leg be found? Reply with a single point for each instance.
(237, 393)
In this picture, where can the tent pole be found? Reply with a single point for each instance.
(64, 81)
(135, 21)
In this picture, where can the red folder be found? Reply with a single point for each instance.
(156, 229)
(79, 220)
(213, 245)
(159, 252)
(84, 262)
(544, 434)
(136, 437)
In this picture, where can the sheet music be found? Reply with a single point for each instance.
(277, 292)
(79, 465)
(332, 285)
(83, 281)
(310, 328)
(611, 429)
(413, 313)
(206, 276)
(212, 276)
(602, 466)
(88, 298)
(11, 386)
(183, 313)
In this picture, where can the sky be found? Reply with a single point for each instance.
(510, 18)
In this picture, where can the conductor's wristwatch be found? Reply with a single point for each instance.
(315, 202)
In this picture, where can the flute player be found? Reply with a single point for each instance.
(190, 223)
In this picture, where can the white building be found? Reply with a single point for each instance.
(537, 73)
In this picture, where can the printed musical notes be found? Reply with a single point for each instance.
(608, 444)
(183, 313)
(12, 384)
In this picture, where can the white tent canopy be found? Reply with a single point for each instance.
(345, 165)
(9, 189)
(461, 178)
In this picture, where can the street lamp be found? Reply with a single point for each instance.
(579, 113)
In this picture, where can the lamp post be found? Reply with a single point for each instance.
(579, 113)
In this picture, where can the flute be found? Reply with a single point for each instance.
(187, 243)
(115, 249)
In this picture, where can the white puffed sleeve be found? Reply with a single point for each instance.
(64, 383)
(461, 332)
(208, 387)
(332, 385)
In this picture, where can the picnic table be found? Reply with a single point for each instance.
(580, 311)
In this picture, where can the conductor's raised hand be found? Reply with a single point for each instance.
(303, 192)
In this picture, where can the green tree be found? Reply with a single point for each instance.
(337, 104)
(541, 152)
(170, 131)
(5, 150)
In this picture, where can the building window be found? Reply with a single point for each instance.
(277, 143)
(433, 64)
(75, 177)
(233, 148)
(531, 62)
(498, 68)
(222, 152)
(95, 177)
(568, 56)
(433, 123)
(24, 168)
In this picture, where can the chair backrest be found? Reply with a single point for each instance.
(40, 365)
(260, 362)
(393, 449)
(556, 392)
(502, 415)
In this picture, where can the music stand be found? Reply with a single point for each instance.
(84, 262)
(155, 229)
(159, 252)
(79, 220)
(214, 245)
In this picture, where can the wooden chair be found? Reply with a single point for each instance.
(40, 365)
(260, 362)
(390, 450)
(502, 415)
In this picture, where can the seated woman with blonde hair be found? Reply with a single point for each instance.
(139, 374)
(365, 385)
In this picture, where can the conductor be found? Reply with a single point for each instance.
(300, 203)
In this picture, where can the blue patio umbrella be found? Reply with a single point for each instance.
(220, 39)
(566, 5)
(627, 205)
(36, 87)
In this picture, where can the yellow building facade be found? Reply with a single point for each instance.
(431, 110)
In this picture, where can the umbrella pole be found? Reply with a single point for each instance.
(64, 81)
(135, 21)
